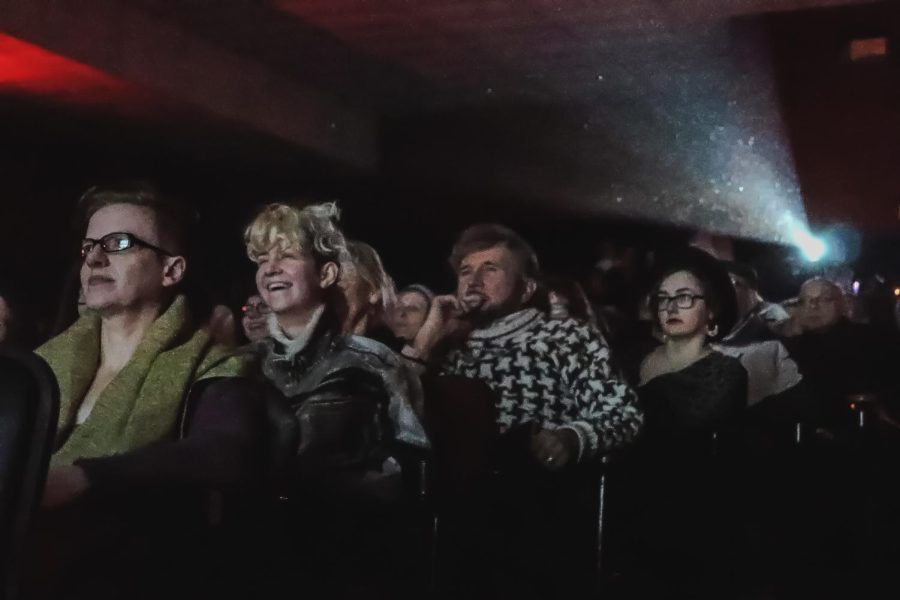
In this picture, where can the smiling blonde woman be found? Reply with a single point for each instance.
(351, 395)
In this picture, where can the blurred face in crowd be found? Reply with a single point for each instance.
(359, 296)
(254, 318)
(681, 308)
(291, 284)
(409, 315)
(491, 283)
(559, 306)
(744, 293)
(821, 305)
(131, 279)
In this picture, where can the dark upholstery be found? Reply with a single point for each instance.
(29, 405)
(462, 423)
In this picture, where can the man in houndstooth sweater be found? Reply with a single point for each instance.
(552, 376)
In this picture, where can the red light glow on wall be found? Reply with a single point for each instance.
(30, 70)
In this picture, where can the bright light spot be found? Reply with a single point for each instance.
(813, 248)
(855, 288)
(897, 291)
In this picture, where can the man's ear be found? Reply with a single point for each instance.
(530, 289)
(328, 275)
(174, 268)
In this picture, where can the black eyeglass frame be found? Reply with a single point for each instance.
(663, 302)
(87, 244)
(262, 309)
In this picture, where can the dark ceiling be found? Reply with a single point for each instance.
(728, 116)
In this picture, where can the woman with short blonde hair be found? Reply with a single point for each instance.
(350, 394)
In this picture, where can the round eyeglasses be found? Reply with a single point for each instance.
(260, 309)
(118, 242)
(683, 301)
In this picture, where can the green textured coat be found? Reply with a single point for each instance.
(144, 401)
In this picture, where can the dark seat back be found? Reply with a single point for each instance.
(29, 407)
(461, 416)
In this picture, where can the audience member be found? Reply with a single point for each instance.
(558, 401)
(133, 372)
(686, 386)
(694, 400)
(790, 326)
(351, 394)
(770, 370)
(413, 303)
(838, 358)
(134, 356)
(254, 318)
(368, 294)
(756, 317)
(568, 301)
(550, 373)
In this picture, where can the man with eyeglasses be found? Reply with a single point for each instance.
(839, 358)
(128, 366)
(152, 410)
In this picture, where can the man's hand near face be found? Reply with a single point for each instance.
(445, 319)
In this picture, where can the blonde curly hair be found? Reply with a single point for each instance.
(311, 229)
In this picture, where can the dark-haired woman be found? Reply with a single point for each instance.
(680, 501)
(686, 387)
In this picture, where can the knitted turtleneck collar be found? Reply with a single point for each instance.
(506, 325)
(295, 345)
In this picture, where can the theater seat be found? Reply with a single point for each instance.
(462, 424)
(29, 405)
(461, 417)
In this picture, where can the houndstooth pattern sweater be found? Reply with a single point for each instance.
(552, 372)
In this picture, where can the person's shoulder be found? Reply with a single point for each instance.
(365, 347)
(219, 360)
(772, 312)
(571, 329)
(652, 365)
(768, 347)
(722, 359)
(729, 366)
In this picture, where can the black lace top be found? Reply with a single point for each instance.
(709, 395)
